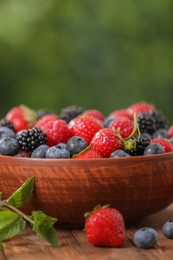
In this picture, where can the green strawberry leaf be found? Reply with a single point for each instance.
(43, 226)
(20, 196)
(11, 224)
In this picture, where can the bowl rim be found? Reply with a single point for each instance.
(167, 155)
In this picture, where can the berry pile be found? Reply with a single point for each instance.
(76, 133)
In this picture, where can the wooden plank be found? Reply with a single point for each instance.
(74, 244)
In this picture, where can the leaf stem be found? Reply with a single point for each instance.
(23, 215)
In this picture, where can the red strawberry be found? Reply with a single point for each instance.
(165, 143)
(105, 227)
(122, 112)
(22, 117)
(88, 154)
(84, 126)
(140, 108)
(170, 131)
(124, 125)
(94, 113)
(56, 131)
(45, 119)
(105, 141)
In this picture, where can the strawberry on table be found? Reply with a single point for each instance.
(84, 126)
(22, 117)
(105, 226)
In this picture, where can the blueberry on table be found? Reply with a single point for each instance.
(168, 229)
(145, 237)
(9, 146)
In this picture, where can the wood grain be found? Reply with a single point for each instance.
(74, 244)
(67, 188)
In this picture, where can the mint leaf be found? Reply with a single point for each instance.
(11, 224)
(43, 226)
(20, 196)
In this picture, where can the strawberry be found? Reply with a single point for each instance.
(140, 108)
(105, 226)
(84, 126)
(124, 125)
(56, 131)
(22, 117)
(165, 143)
(45, 119)
(170, 131)
(88, 154)
(122, 112)
(94, 113)
(105, 141)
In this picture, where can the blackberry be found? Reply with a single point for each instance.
(30, 139)
(149, 122)
(43, 112)
(135, 146)
(160, 120)
(70, 112)
(7, 123)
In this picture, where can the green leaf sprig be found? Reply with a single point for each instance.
(13, 221)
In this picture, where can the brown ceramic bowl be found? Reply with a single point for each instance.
(67, 188)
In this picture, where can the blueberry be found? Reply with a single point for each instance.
(168, 229)
(76, 144)
(108, 120)
(9, 146)
(145, 237)
(40, 151)
(161, 133)
(62, 145)
(154, 148)
(57, 152)
(146, 136)
(119, 153)
(6, 132)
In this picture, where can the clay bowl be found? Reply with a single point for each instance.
(67, 188)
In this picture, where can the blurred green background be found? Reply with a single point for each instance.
(94, 53)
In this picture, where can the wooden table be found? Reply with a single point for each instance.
(74, 244)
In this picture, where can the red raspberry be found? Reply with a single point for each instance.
(105, 227)
(56, 131)
(140, 108)
(22, 117)
(122, 112)
(124, 125)
(94, 113)
(105, 141)
(45, 119)
(165, 143)
(170, 131)
(88, 154)
(85, 127)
